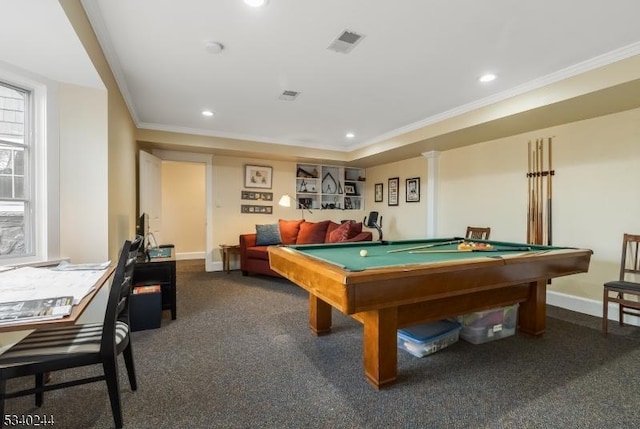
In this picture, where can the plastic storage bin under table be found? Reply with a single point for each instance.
(484, 326)
(423, 340)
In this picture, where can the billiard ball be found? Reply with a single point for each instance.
(363, 252)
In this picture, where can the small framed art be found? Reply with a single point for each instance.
(392, 197)
(413, 190)
(350, 188)
(258, 176)
(251, 195)
(254, 209)
(378, 192)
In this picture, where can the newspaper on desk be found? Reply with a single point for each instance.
(36, 309)
(29, 283)
(67, 266)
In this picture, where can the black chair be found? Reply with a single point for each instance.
(374, 222)
(478, 233)
(54, 349)
(622, 289)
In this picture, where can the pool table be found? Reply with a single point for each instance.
(403, 283)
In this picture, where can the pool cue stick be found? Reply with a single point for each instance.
(510, 249)
(542, 198)
(540, 195)
(534, 193)
(426, 246)
(529, 192)
(533, 201)
(549, 188)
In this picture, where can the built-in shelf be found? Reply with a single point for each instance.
(328, 187)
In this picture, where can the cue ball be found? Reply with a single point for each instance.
(363, 252)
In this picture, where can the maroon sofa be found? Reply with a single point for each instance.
(255, 258)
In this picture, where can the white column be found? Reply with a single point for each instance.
(432, 192)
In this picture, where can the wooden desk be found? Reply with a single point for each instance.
(76, 310)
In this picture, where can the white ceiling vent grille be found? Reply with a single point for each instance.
(345, 42)
(288, 95)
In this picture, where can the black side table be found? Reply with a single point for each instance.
(161, 271)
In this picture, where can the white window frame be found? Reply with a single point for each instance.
(38, 128)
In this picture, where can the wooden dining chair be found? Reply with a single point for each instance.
(628, 284)
(54, 349)
(478, 233)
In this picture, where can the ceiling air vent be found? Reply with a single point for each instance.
(345, 42)
(288, 95)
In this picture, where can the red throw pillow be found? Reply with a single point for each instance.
(341, 233)
(289, 230)
(332, 226)
(312, 232)
(354, 229)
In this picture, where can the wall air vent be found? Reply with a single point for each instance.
(288, 95)
(345, 42)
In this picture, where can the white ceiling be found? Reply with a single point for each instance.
(420, 59)
(418, 63)
(44, 43)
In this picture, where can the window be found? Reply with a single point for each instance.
(16, 225)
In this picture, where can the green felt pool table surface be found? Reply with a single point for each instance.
(399, 253)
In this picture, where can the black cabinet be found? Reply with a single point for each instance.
(160, 271)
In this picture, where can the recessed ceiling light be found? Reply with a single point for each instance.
(350, 135)
(256, 3)
(487, 77)
(207, 113)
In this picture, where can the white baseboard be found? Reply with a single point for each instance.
(189, 255)
(215, 266)
(587, 306)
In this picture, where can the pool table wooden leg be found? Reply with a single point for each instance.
(532, 313)
(380, 345)
(319, 315)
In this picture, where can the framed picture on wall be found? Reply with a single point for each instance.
(413, 190)
(251, 195)
(258, 176)
(392, 197)
(350, 188)
(250, 208)
(378, 192)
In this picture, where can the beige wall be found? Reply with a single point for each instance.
(596, 168)
(120, 137)
(406, 220)
(83, 174)
(183, 206)
(228, 182)
(596, 165)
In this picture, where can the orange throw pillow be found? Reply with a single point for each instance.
(312, 232)
(289, 230)
(341, 233)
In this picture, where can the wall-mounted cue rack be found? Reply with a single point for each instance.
(539, 179)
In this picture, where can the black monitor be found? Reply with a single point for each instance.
(143, 225)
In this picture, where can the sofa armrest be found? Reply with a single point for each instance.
(245, 241)
(363, 236)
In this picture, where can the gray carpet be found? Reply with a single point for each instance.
(241, 355)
